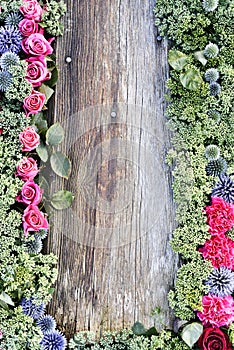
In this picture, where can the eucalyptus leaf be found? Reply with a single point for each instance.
(60, 164)
(138, 328)
(39, 121)
(191, 333)
(42, 152)
(199, 55)
(54, 78)
(3, 305)
(47, 91)
(191, 79)
(44, 185)
(177, 59)
(4, 297)
(62, 200)
(55, 134)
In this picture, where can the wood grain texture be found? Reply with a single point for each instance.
(115, 262)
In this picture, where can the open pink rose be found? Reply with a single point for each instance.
(216, 311)
(27, 169)
(37, 45)
(37, 71)
(220, 216)
(31, 9)
(34, 220)
(34, 103)
(30, 194)
(29, 139)
(28, 27)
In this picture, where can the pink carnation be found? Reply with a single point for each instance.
(28, 27)
(31, 9)
(37, 45)
(34, 220)
(220, 216)
(27, 169)
(30, 194)
(37, 71)
(29, 139)
(34, 102)
(216, 311)
(219, 249)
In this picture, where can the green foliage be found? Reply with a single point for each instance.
(191, 333)
(55, 134)
(62, 199)
(20, 87)
(51, 17)
(7, 7)
(60, 164)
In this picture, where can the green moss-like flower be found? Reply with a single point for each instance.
(51, 17)
(211, 74)
(210, 5)
(20, 87)
(214, 115)
(216, 167)
(212, 152)
(211, 50)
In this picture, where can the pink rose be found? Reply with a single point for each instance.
(28, 27)
(29, 139)
(27, 169)
(216, 311)
(37, 71)
(37, 45)
(34, 220)
(34, 102)
(31, 10)
(220, 216)
(30, 194)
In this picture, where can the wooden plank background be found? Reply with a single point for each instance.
(115, 262)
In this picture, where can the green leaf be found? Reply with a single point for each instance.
(191, 79)
(39, 121)
(42, 152)
(191, 333)
(62, 200)
(3, 305)
(177, 59)
(151, 331)
(44, 185)
(54, 78)
(138, 328)
(5, 298)
(199, 55)
(60, 164)
(55, 134)
(47, 91)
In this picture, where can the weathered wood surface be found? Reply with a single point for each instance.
(115, 262)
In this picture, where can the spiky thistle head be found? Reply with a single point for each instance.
(216, 167)
(211, 74)
(210, 5)
(10, 39)
(13, 19)
(42, 234)
(34, 246)
(47, 324)
(214, 115)
(5, 80)
(212, 152)
(221, 282)
(54, 341)
(215, 88)
(9, 59)
(224, 189)
(211, 50)
(32, 309)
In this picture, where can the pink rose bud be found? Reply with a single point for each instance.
(34, 220)
(37, 45)
(37, 71)
(34, 103)
(29, 139)
(30, 194)
(31, 9)
(28, 27)
(27, 169)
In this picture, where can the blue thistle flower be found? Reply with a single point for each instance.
(42, 234)
(215, 88)
(10, 39)
(31, 309)
(212, 152)
(5, 80)
(211, 74)
(211, 50)
(214, 115)
(221, 282)
(216, 167)
(9, 59)
(54, 341)
(34, 247)
(210, 5)
(47, 324)
(13, 19)
(224, 189)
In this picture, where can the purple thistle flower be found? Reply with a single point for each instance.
(10, 39)
(54, 341)
(224, 189)
(31, 309)
(221, 282)
(47, 324)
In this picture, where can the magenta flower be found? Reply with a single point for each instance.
(220, 216)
